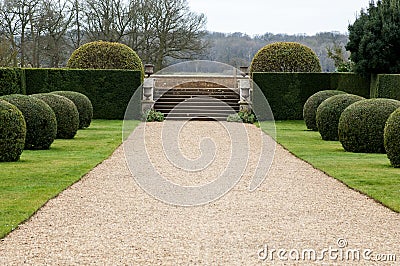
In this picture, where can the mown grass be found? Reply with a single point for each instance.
(370, 174)
(28, 184)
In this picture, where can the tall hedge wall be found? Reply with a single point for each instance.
(287, 92)
(11, 81)
(351, 83)
(111, 90)
(386, 86)
(108, 90)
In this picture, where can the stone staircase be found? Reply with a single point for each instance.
(199, 101)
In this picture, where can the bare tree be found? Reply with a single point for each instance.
(142, 37)
(76, 32)
(45, 32)
(26, 11)
(106, 20)
(57, 18)
(178, 31)
(7, 54)
(10, 26)
(16, 15)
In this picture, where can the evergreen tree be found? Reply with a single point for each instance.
(374, 38)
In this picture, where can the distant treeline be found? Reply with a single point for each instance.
(238, 49)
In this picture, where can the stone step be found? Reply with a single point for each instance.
(181, 116)
(197, 110)
(192, 100)
(211, 106)
(204, 105)
(179, 97)
(197, 103)
(195, 89)
(198, 118)
(195, 93)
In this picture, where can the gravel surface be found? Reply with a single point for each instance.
(106, 219)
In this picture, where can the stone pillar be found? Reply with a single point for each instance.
(148, 94)
(244, 88)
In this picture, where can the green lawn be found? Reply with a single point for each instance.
(370, 174)
(41, 175)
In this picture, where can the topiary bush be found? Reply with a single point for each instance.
(41, 124)
(392, 138)
(362, 124)
(329, 112)
(311, 106)
(285, 57)
(12, 132)
(105, 55)
(67, 115)
(82, 103)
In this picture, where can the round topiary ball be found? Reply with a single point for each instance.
(312, 104)
(329, 112)
(105, 55)
(392, 138)
(82, 103)
(285, 57)
(67, 115)
(362, 124)
(41, 124)
(12, 132)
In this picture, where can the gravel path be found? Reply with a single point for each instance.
(106, 219)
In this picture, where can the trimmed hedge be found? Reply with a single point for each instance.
(392, 138)
(82, 103)
(312, 104)
(12, 132)
(11, 81)
(108, 90)
(329, 112)
(287, 92)
(41, 124)
(362, 124)
(285, 57)
(351, 83)
(386, 86)
(67, 115)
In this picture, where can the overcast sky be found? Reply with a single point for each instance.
(278, 16)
